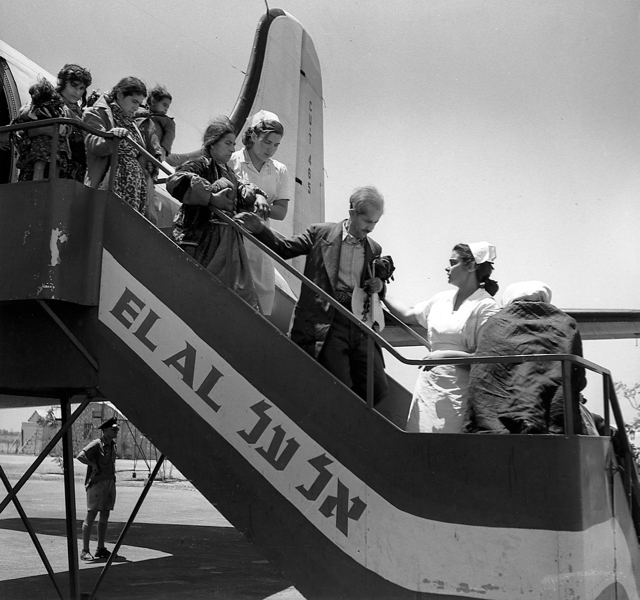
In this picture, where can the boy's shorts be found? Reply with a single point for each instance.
(102, 495)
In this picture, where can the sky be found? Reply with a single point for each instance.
(512, 122)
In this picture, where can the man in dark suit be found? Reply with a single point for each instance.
(339, 259)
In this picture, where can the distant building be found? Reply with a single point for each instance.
(37, 432)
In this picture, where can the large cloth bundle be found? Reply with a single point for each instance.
(527, 397)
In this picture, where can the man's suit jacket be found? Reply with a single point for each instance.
(321, 243)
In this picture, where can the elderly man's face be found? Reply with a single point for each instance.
(361, 224)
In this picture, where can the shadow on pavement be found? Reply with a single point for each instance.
(156, 562)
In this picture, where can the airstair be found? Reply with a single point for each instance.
(96, 301)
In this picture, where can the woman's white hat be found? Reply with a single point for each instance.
(483, 252)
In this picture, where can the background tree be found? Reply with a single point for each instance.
(632, 394)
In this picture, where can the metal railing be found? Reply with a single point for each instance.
(572, 416)
(52, 125)
(571, 413)
(375, 338)
(52, 129)
(610, 402)
(372, 336)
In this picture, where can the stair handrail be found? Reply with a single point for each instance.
(384, 343)
(389, 316)
(46, 123)
(371, 334)
(632, 482)
(49, 123)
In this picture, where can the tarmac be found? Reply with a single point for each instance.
(179, 545)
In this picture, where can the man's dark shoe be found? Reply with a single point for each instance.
(102, 553)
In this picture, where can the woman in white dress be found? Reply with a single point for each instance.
(254, 163)
(453, 320)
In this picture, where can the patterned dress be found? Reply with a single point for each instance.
(33, 148)
(130, 181)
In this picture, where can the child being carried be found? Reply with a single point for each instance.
(34, 145)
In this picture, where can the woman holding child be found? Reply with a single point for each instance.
(114, 113)
(205, 183)
(145, 118)
(48, 102)
(453, 319)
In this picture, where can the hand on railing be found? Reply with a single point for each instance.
(250, 221)
(223, 200)
(120, 132)
(446, 355)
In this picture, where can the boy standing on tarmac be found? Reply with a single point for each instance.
(100, 483)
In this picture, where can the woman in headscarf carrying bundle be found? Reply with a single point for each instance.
(205, 183)
(453, 320)
(525, 397)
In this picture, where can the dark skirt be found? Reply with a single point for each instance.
(221, 251)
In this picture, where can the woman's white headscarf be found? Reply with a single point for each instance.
(263, 115)
(530, 291)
